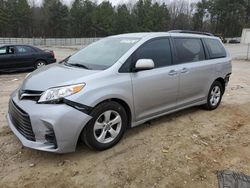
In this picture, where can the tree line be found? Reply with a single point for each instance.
(85, 18)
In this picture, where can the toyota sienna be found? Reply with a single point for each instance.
(116, 83)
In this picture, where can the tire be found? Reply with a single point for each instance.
(94, 134)
(214, 96)
(39, 64)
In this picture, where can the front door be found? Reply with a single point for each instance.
(155, 91)
(7, 57)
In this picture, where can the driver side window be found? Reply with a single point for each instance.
(158, 50)
(3, 50)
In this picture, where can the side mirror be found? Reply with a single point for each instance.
(144, 64)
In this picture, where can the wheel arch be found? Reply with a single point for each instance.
(222, 81)
(124, 105)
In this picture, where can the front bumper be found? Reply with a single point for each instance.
(64, 121)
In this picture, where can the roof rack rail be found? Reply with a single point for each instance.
(191, 32)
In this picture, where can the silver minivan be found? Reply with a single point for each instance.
(116, 83)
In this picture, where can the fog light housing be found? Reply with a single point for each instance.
(50, 137)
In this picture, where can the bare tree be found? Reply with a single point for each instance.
(177, 8)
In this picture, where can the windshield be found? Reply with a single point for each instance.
(102, 54)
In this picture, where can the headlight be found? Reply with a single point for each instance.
(56, 94)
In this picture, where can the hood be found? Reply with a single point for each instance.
(55, 75)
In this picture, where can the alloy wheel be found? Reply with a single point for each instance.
(107, 126)
(40, 64)
(215, 95)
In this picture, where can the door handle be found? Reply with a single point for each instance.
(172, 73)
(184, 70)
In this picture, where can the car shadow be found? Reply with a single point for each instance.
(131, 132)
(162, 119)
(83, 151)
(11, 72)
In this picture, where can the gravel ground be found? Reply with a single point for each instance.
(184, 149)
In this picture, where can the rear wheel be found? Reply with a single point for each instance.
(107, 126)
(214, 96)
(39, 64)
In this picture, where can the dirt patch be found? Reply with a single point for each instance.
(184, 149)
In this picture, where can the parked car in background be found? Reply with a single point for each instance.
(115, 83)
(234, 41)
(221, 36)
(22, 57)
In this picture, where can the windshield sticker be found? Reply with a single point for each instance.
(129, 41)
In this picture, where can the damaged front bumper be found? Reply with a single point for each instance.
(47, 127)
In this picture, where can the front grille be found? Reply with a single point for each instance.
(21, 121)
(29, 95)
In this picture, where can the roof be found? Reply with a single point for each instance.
(164, 34)
(16, 45)
(141, 35)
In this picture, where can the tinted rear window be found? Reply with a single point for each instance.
(24, 49)
(189, 50)
(215, 48)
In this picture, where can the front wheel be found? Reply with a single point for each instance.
(214, 96)
(107, 126)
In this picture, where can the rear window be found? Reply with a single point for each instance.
(189, 50)
(215, 48)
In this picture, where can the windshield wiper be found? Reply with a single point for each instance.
(77, 65)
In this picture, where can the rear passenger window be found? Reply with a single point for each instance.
(215, 48)
(189, 50)
(158, 50)
(24, 49)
